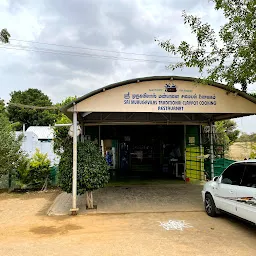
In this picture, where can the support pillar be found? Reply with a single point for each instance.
(211, 149)
(74, 209)
(201, 155)
(185, 152)
(99, 139)
(82, 133)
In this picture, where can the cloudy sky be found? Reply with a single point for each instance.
(109, 41)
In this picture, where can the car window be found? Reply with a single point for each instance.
(249, 178)
(233, 174)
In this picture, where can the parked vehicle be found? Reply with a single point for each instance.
(234, 191)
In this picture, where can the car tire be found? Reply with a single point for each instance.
(210, 206)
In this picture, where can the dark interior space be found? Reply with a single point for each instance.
(142, 151)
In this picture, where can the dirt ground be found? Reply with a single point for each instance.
(26, 230)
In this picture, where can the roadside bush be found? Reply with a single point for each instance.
(35, 171)
(92, 170)
(11, 154)
(253, 151)
(22, 173)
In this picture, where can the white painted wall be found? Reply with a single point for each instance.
(31, 142)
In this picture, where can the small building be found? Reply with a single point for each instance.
(40, 137)
(158, 126)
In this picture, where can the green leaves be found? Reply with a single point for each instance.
(226, 133)
(227, 56)
(34, 171)
(244, 137)
(30, 116)
(10, 153)
(92, 169)
(4, 36)
(61, 137)
(2, 107)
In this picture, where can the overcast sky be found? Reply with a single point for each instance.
(127, 26)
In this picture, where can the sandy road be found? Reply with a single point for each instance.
(25, 230)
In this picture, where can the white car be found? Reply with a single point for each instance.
(234, 191)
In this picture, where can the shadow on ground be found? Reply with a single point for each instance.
(53, 230)
(136, 199)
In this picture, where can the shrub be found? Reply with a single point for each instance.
(253, 151)
(22, 173)
(35, 171)
(10, 152)
(92, 170)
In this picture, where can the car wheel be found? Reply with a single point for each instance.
(209, 206)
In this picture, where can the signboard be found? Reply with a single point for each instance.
(170, 98)
(192, 140)
(167, 96)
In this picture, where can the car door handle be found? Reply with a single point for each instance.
(231, 191)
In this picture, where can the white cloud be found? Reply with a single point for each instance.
(118, 25)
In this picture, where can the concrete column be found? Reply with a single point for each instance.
(82, 132)
(201, 155)
(185, 151)
(211, 149)
(99, 139)
(74, 209)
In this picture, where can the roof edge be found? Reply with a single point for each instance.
(152, 78)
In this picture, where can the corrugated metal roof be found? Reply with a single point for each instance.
(42, 132)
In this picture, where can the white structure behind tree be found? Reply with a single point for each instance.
(40, 137)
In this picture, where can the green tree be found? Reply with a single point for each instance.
(244, 137)
(2, 107)
(62, 118)
(92, 170)
(227, 56)
(61, 137)
(222, 138)
(253, 151)
(10, 147)
(253, 94)
(31, 116)
(230, 128)
(4, 36)
(3, 111)
(226, 133)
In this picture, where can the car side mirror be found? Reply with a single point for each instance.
(215, 178)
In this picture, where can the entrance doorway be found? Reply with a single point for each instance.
(151, 151)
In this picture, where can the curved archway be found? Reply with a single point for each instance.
(176, 96)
